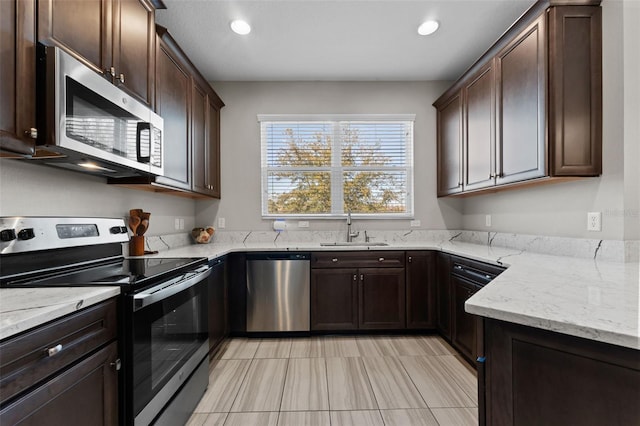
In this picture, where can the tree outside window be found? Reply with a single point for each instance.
(329, 168)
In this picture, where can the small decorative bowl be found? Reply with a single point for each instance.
(202, 235)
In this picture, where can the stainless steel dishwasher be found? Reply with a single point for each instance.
(278, 288)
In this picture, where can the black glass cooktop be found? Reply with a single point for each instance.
(134, 273)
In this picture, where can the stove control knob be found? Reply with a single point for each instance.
(7, 235)
(26, 234)
(118, 229)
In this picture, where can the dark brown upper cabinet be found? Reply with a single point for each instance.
(205, 123)
(17, 85)
(190, 109)
(173, 103)
(530, 109)
(449, 144)
(114, 37)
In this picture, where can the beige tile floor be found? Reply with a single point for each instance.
(363, 380)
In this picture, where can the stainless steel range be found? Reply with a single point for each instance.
(163, 327)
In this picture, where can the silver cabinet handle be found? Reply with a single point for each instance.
(381, 259)
(410, 259)
(117, 364)
(32, 133)
(121, 78)
(355, 277)
(112, 71)
(335, 259)
(54, 350)
(361, 277)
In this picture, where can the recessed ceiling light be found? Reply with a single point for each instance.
(240, 27)
(428, 27)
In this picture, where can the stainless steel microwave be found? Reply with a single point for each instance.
(85, 123)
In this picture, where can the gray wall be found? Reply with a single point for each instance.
(561, 209)
(240, 204)
(31, 190)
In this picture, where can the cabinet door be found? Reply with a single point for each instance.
(443, 295)
(382, 298)
(420, 289)
(85, 394)
(199, 111)
(213, 145)
(133, 47)
(463, 336)
(575, 90)
(450, 146)
(521, 70)
(17, 76)
(173, 96)
(205, 128)
(217, 306)
(479, 130)
(334, 299)
(81, 27)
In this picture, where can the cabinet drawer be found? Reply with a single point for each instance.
(357, 259)
(26, 359)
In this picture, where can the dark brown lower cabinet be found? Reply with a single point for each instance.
(85, 394)
(420, 289)
(538, 377)
(443, 294)
(334, 299)
(463, 335)
(218, 302)
(381, 298)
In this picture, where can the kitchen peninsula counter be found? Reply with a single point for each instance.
(587, 298)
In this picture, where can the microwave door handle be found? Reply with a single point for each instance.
(141, 127)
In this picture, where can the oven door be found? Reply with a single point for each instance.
(170, 339)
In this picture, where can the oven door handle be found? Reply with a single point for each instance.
(168, 289)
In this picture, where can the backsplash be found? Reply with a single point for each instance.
(605, 250)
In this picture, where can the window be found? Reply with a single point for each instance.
(323, 166)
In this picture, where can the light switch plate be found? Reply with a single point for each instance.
(594, 221)
(221, 222)
(487, 221)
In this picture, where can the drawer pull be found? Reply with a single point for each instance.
(117, 364)
(355, 277)
(361, 277)
(381, 259)
(54, 350)
(410, 259)
(335, 259)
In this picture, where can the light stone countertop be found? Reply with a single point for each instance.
(587, 298)
(596, 300)
(24, 308)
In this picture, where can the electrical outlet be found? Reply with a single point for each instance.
(181, 223)
(221, 222)
(487, 221)
(177, 223)
(303, 224)
(594, 221)
(414, 223)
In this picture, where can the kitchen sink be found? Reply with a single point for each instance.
(352, 243)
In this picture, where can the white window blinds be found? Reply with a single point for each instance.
(320, 166)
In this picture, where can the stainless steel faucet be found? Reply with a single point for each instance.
(350, 235)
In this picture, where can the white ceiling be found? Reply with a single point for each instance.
(337, 40)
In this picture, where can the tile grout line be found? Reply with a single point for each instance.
(419, 393)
